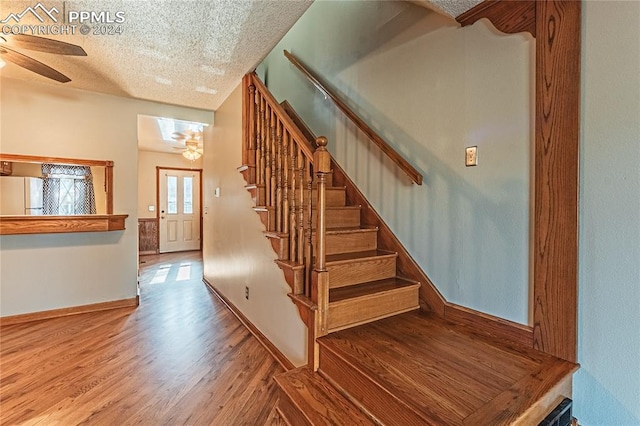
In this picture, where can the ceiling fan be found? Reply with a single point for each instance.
(9, 42)
(192, 139)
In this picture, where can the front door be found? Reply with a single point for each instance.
(179, 210)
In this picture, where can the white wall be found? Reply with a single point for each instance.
(607, 386)
(42, 272)
(147, 162)
(431, 89)
(236, 253)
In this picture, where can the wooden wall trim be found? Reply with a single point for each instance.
(509, 17)
(557, 122)
(270, 347)
(19, 225)
(489, 325)
(555, 242)
(74, 310)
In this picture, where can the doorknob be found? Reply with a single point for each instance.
(162, 214)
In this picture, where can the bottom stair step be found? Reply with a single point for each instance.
(419, 369)
(362, 303)
(308, 399)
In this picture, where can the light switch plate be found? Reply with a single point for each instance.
(216, 192)
(152, 208)
(471, 156)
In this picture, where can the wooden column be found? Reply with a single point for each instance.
(320, 284)
(556, 26)
(555, 242)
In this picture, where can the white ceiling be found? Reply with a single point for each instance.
(185, 52)
(155, 133)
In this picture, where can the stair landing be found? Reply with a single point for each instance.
(417, 368)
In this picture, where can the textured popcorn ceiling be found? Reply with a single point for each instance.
(184, 52)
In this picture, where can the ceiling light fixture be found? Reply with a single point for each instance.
(191, 155)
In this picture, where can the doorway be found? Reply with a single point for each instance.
(179, 207)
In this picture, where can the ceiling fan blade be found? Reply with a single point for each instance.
(32, 65)
(41, 44)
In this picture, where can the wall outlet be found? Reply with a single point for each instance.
(471, 156)
(246, 292)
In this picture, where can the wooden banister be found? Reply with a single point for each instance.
(286, 121)
(413, 174)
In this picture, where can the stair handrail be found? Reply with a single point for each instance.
(283, 116)
(384, 146)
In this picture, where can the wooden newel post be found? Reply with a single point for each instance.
(320, 289)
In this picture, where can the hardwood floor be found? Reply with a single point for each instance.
(180, 358)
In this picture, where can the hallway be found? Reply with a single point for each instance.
(180, 358)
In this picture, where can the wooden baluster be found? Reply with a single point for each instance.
(273, 158)
(268, 156)
(320, 290)
(256, 142)
(251, 142)
(261, 162)
(279, 177)
(307, 242)
(293, 228)
(285, 183)
(301, 181)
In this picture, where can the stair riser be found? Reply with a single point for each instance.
(290, 414)
(387, 409)
(295, 279)
(249, 174)
(328, 180)
(335, 197)
(356, 272)
(361, 310)
(340, 218)
(349, 242)
(268, 218)
(280, 246)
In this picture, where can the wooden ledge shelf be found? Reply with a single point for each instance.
(15, 225)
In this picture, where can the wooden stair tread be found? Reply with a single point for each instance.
(290, 264)
(361, 255)
(350, 230)
(369, 288)
(437, 371)
(275, 234)
(318, 401)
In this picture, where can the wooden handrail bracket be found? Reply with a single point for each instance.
(384, 146)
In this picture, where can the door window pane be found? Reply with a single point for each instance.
(187, 198)
(172, 194)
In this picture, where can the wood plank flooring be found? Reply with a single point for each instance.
(180, 358)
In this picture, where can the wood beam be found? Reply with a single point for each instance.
(555, 242)
(556, 26)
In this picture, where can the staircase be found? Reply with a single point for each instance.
(374, 357)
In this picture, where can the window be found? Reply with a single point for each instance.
(187, 207)
(172, 194)
(67, 190)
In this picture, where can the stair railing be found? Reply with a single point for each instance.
(384, 146)
(282, 162)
